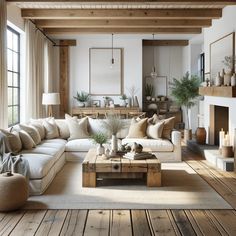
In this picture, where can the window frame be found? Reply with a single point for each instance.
(18, 73)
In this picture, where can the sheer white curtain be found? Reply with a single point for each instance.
(35, 71)
(3, 65)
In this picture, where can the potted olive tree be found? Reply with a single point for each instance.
(185, 92)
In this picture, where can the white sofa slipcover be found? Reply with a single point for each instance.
(48, 157)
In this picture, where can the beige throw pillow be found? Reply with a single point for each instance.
(155, 130)
(27, 141)
(137, 129)
(154, 119)
(14, 141)
(51, 128)
(38, 124)
(168, 127)
(32, 131)
(78, 128)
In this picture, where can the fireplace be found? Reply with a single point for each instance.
(219, 112)
(219, 119)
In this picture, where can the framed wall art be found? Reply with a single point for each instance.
(222, 47)
(105, 78)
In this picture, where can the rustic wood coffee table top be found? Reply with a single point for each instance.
(94, 164)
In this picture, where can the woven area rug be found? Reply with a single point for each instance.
(182, 188)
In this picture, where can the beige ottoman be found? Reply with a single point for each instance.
(13, 191)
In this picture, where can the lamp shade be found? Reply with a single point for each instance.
(51, 99)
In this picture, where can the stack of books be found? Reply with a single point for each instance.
(139, 156)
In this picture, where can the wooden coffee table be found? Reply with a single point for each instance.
(95, 167)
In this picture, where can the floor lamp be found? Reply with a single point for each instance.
(50, 99)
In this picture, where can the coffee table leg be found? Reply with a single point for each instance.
(89, 179)
(153, 179)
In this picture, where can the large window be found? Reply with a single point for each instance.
(13, 76)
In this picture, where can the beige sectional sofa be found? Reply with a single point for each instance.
(49, 156)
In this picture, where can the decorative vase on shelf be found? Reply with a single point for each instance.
(148, 98)
(80, 104)
(222, 73)
(114, 143)
(227, 78)
(233, 80)
(218, 80)
(100, 150)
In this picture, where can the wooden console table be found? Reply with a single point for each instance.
(102, 111)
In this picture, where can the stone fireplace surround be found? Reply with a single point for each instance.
(209, 101)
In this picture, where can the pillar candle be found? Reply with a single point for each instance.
(227, 137)
(221, 137)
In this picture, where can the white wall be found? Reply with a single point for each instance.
(132, 64)
(167, 63)
(14, 16)
(219, 28)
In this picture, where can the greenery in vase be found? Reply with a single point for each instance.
(113, 124)
(123, 97)
(149, 89)
(229, 62)
(82, 96)
(99, 138)
(185, 92)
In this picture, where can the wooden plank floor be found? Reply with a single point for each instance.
(134, 222)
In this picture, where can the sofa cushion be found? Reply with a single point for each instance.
(27, 142)
(155, 145)
(41, 149)
(79, 145)
(14, 141)
(55, 140)
(95, 125)
(78, 128)
(32, 131)
(155, 130)
(51, 128)
(137, 128)
(40, 164)
(38, 124)
(63, 128)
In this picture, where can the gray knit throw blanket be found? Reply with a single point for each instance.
(9, 162)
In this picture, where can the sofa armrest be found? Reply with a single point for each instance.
(176, 137)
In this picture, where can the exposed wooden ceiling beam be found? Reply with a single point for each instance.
(165, 42)
(123, 30)
(176, 2)
(122, 23)
(121, 13)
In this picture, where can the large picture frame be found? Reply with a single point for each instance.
(105, 78)
(220, 48)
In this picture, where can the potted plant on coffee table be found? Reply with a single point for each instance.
(185, 92)
(113, 124)
(100, 138)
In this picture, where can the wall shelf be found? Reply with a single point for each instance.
(224, 91)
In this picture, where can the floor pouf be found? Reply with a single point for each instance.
(13, 191)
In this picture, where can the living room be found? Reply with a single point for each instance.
(96, 133)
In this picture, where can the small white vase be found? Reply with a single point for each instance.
(233, 80)
(100, 150)
(218, 80)
(114, 143)
(80, 104)
(227, 78)
(148, 98)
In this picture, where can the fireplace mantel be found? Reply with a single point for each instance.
(226, 91)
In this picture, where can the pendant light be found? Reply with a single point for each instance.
(112, 51)
(153, 74)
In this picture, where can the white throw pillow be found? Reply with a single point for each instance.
(32, 131)
(27, 141)
(78, 128)
(63, 129)
(51, 128)
(155, 130)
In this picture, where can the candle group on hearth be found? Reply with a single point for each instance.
(224, 138)
(227, 140)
